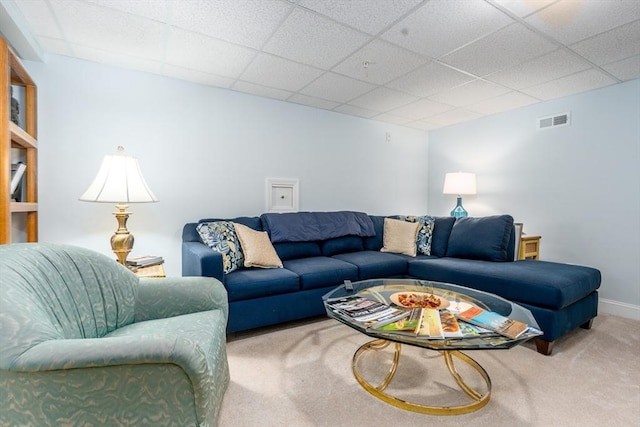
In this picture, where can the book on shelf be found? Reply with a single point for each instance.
(493, 321)
(17, 173)
(144, 261)
(364, 310)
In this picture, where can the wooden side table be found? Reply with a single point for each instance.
(530, 247)
(150, 271)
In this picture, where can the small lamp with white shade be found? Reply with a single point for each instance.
(120, 181)
(459, 183)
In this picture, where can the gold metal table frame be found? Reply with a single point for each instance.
(478, 400)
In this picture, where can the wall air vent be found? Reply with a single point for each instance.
(563, 119)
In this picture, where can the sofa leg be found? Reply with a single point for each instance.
(544, 347)
(587, 325)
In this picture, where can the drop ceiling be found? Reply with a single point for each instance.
(421, 64)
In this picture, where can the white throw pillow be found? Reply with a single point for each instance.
(398, 237)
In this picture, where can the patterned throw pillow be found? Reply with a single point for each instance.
(221, 237)
(425, 233)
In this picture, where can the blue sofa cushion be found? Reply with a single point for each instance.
(295, 250)
(221, 237)
(313, 226)
(374, 243)
(441, 232)
(483, 238)
(341, 245)
(259, 282)
(376, 264)
(321, 272)
(539, 283)
(250, 221)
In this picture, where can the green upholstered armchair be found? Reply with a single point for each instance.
(85, 342)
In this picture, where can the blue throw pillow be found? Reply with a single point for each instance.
(484, 238)
(425, 232)
(221, 237)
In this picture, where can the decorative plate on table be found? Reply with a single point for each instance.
(419, 299)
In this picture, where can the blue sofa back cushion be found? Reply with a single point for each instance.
(296, 250)
(341, 245)
(250, 221)
(484, 238)
(314, 226)
(374, 243)
(441, 232)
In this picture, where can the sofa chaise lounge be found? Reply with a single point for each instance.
(318, 252)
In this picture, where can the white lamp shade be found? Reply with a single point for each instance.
(460, 183)
(119, 180)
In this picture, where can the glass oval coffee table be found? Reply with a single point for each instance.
(457, 299)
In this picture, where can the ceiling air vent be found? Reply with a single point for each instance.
(548, 122)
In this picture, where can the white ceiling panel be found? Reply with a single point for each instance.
(198, 52)
(110, 30)
(569, 85)
(614, 45)
(570, 21)
(383, 99)
(398, 61)
(499, 104)
(246, 22)
(279, 73)
(469, 93)
(441, 26)
(548, 67)
(627, 69)
(429, 79)
(379, 62)
(421, 109)
(370, 16)
(335, 87)
(505, 48)
(311, 39)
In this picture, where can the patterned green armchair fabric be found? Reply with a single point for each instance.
(84, 342)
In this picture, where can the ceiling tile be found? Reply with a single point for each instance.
(313, 102)
(259, 90)
(422, 125)
(429, 79)
(198, 52)
(124, 61)
(441, 26)
(384, 62)
(157, 10)
(619, 43)
(196, 76)
(469, 93)
(422, 108)
(370, 16)
(110, 30)
(390, 118)
(383, 99)
(502, 49)
(312, 39)
(355, 111)
(499, 104)
(569, 85)
(335, 87)
(55, 46)
(569, 21)
(454, 116)
(627, 69)
(551, 66)
(247, 22)
(524, 7)
(272, 71)
(39, 15)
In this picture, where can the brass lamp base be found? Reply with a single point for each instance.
(122, 240)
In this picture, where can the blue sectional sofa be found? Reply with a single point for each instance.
(473, 252)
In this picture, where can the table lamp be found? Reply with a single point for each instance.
(119, 181)
(459, 183)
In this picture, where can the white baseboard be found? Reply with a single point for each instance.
(618, 308)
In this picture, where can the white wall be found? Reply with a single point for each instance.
(577, 186)
(205, 152)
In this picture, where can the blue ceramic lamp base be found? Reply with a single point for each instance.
(459, 211)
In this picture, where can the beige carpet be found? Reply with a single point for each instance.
(300, 375)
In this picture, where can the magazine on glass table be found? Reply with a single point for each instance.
(365, 310)
(493, 321)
